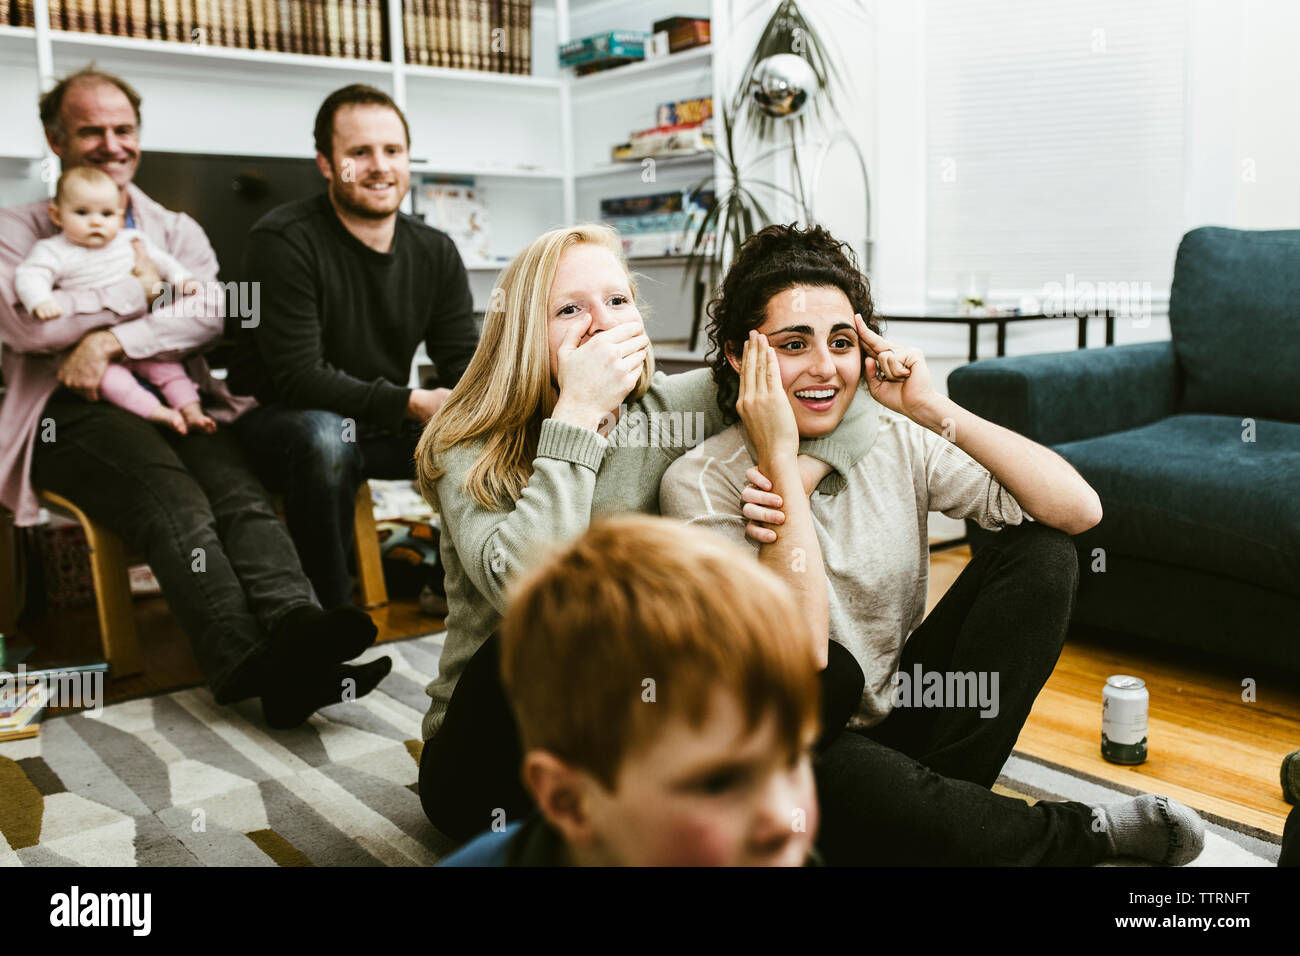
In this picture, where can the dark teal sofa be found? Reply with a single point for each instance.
(1201, 528)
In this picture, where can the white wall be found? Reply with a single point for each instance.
(1243, 153)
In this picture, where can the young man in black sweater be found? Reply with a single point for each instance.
(349, 287)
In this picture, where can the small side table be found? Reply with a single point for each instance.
(973, 322)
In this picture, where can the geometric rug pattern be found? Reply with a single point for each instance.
(176, 780)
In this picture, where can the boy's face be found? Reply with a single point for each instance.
(89, 214)
(717, 795)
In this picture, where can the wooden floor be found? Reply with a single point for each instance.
(1208, 748)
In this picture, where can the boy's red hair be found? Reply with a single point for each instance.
(638, 599)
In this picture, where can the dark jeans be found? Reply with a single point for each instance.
(470, 768)
(318, 460)
(914, 789)
(193, 507)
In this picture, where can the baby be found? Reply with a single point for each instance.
(92, 250)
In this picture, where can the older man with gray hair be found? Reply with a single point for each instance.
(190, 503)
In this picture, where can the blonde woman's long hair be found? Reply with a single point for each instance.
(505, 393)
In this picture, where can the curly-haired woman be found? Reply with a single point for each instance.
(944, 698)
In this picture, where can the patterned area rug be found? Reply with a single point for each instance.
(175, 780)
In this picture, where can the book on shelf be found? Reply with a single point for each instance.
(696, 110)
(684, 33)
(659, 224)
(351, 29)
(610, 47)
(660, 142)
(139, 18)
(485, 35)
(256, 25)
(293, 33)
(319, 34)
(361, 28)
(455, 206)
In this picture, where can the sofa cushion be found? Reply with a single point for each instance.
(1234, 316)
(1189, 491)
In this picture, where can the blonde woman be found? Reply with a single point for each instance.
(560, 417)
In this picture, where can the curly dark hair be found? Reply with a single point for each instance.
(771, 261)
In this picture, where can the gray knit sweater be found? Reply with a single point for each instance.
(578, 475)
(872, 535)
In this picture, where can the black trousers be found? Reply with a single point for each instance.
(319, 459)
(879, 805)
(914, 789)
(194, 508)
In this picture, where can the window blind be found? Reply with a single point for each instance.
(1055, 143)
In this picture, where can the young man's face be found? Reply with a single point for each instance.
(370, 171)
(89, 214)
(716, 795)
(816, 342)
(99, 129)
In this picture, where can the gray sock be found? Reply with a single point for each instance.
(1154, 827)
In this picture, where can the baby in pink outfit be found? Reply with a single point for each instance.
(92, 250)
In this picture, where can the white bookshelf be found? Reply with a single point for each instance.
(9, 33)
(173, 54)
(443, 75)
(700, 162)
(539, 144)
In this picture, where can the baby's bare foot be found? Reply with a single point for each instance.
(169, 417)
(194, 417)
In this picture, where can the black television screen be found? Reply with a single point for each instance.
(226, 195)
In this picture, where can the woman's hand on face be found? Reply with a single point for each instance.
(597, 375)
(897, 377)
(763, 404)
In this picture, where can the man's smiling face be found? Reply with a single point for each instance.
(100, 129)
(370, 171)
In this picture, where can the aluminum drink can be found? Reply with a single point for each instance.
(1124, 703)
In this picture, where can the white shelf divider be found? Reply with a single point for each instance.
(64, 40)
(662, 67)
(8, 32)
(444, 74)
(485, 172)
(702, 160)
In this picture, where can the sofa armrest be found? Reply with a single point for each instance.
(1066, 396)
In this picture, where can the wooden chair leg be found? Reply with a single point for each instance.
(370, 566)
(113, 600)
(112, 593)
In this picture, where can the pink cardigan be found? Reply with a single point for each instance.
(30, 350)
